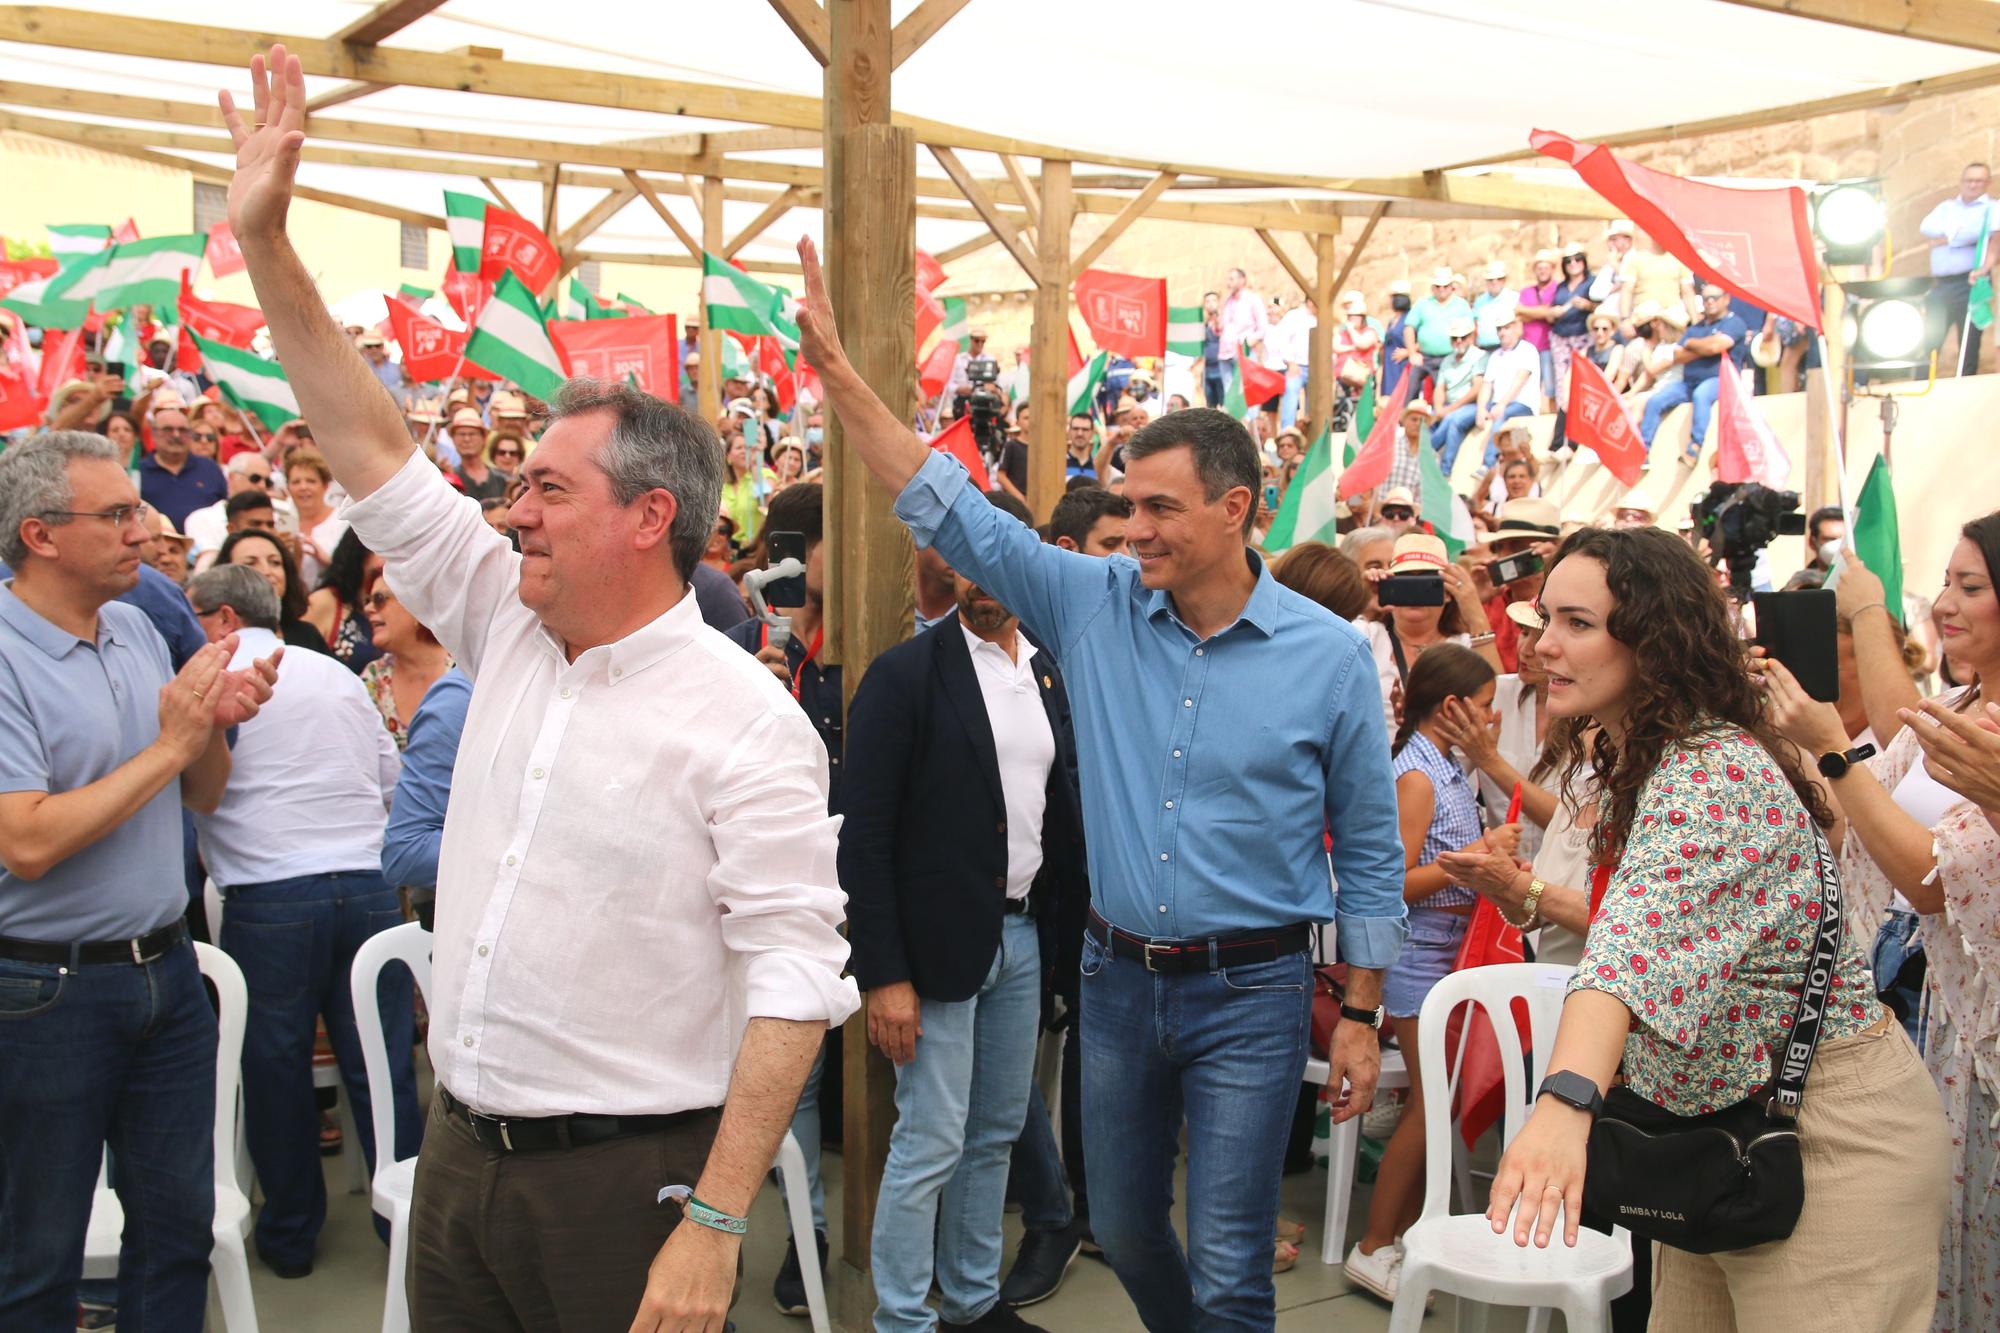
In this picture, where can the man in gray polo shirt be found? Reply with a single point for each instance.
(106, 1035)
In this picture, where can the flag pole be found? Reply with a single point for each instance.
(430, 440)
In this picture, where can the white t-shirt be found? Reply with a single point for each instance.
(1385, 662)
(1503, 364)
(1516, 706)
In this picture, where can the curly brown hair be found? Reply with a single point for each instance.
(1692, 674)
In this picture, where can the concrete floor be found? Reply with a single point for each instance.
(344, 1293)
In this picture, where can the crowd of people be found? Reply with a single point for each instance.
(542, 678)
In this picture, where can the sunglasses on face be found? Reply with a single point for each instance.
(203, 437)
(506, 453)
(380, 598)
(256, 478)
(1397, 512)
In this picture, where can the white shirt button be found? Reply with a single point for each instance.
(1170, 805)
(1177, 754)
(1163, 909)
(566, 692)
(1163, 856)
(616, 672)
(482, 951)
(1199, 651)
(468, 1041)
(1187, 703)
(540, 773)
(510, 859)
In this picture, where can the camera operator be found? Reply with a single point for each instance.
(1738, 522)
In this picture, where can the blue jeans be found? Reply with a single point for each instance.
(1214, 385)
(805, 1128)
(295, 940)
(1506, 413)
(1451, 433)
(113, 1054)
(1665, 399)
(1226, 1050)
(1035, 1172)
(1295, 384)
(1895, 945)
(959, 1107)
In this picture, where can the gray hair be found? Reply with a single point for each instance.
(241, 589)
(654, 445)
(1352, 542)
(34, 482)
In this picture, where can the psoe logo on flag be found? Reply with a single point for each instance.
(1733, 252)
(613, 363)
(1124, 313)
(429, 339)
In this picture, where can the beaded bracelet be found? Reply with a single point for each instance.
(699, 1213)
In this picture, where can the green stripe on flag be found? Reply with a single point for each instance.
(465, 224)
(416, 293)
(732, 299)
(1878, 537)
(255, 385)
(1979, 301)
(1306, 514)
(511, 339)
(1437, 504)
(1362, 422)
(635, 303)
(956, 321)
(1083, 384)
(147, 272)
(1186, 331)
(77, 240)
(1232, 396)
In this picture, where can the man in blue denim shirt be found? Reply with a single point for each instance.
(1224, 725)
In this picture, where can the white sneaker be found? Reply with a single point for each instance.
(1379, 1121)
(1376, 1273)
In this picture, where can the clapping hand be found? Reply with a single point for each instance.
(1961, 750)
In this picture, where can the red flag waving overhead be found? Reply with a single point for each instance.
(468, 294)
(935, 372)
(956, 440)
(62, 360)
(643, 346)
(514, 244)
(1598, 420)
(1125, 314)
(18, 272)
(224, 255)
(219, 321)
(1261, 385)
(430, 350)
(1755, 243)
(1370, 467)
(20, 405)
(1745, 448)
(1075, 354)
(126, 234)
(930, 273)
(930, 313)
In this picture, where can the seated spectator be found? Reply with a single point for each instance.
(1513, 386)
(172, 479)
(1461, 383)
(506, 450)
(1398, 511)
(468, 437)
(267, 553)
(1357, 345)
(166, 549)
(1488, 304)
(1719, 336)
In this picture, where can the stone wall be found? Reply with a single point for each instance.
(1918, 149)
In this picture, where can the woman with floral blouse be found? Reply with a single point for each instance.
(1709, 830)
(1909, 834)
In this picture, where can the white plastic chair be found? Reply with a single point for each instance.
(232, 1209)
(1343, 1150)
(1460, 1253)
(798, 1201)
(395, 1179)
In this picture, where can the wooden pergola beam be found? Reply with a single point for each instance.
(1354, 252)
(714, 143)
(919, 26)
(1972, 24)
(1285, 261)
(758, 225)
(345, 93)
(1125, 217)
(989, 212)
(600, 213)
(807, 20)
(498, 198)
(651, 196)
(385, 21)
(968, 247)
(1024, 188)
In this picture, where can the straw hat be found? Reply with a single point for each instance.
(1497, 270)
(1527, 616)
(1528, 517)
(1419, 553)
(1399, 495)
(1620, 227)
(1418, 407)
(1675, 314)
(1461, 328)
(1400, 287)
(1645, 312)
(1442, 278)
(1545, 256)
(466, 416)
(1574, 248)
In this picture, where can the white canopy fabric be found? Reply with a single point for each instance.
(1322, 90)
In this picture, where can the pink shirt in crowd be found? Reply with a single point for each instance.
(1244, 320)
(1536, 331)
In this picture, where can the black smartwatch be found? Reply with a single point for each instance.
(1835, 763)
(1370, 1017)
(1573, 1090)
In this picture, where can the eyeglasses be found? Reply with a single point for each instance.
(172, 432)
(119, 515)
(1397, 511)
(203, 437)
(506, 453)
(256, 478)
(380, 598)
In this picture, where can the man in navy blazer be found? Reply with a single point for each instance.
(962, 835)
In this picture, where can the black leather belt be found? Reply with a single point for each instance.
(1204, 954)
(1016, 907)
(145, 949)
(549, 1133)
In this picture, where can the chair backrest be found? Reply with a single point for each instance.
(232, 1006)
(1492, 989)
(409, 944)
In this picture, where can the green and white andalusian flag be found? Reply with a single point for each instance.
(737, 302)
(465, 226)
(416, 293)
(1439, 505)
(577, 301)
(80, 240)
(255, 385)
(146, 272)
(635, 303)
(956, 322)
(1979, 303)
(62, 300)
(1083, 384)
(1185, 330)
(510, 339)
(1306, 514)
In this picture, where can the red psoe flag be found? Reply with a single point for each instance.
(19, 272)
(219, 321)
(468, 294)
(642, 347)
(935, 372)
(20, 405)
(1755, 243)
(1597, 419)
(1370, 467)
(430, 350)
(930, 273)
(1259, 384)
(512, 244)
(1126, 314)
(62, 360)
(930, 313)
(1745, 448)
(956, 440)
(225, 256)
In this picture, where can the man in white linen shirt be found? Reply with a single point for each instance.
(637, 949)
(296, 849)
(1952, 232)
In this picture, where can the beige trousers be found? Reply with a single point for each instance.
(1877, 1159)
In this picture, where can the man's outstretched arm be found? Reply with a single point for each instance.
(354, 420)
(886, 446)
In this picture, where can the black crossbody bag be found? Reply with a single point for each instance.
(1732, 1178)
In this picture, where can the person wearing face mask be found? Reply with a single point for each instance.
(1913, 840)
(1711, 867)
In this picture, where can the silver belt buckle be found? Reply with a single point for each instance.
(506, 1139)
(1149, 957)
(138, 954)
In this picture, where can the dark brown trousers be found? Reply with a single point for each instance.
(537, 1241)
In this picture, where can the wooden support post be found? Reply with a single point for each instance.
(1319, 354)
(1049, 360)
(551, 182)
(708, 395)
(871, 223)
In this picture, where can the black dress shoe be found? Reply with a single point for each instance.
(286, 1268)
(1038, 1271)
(788, 1293)
(999, 1319)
